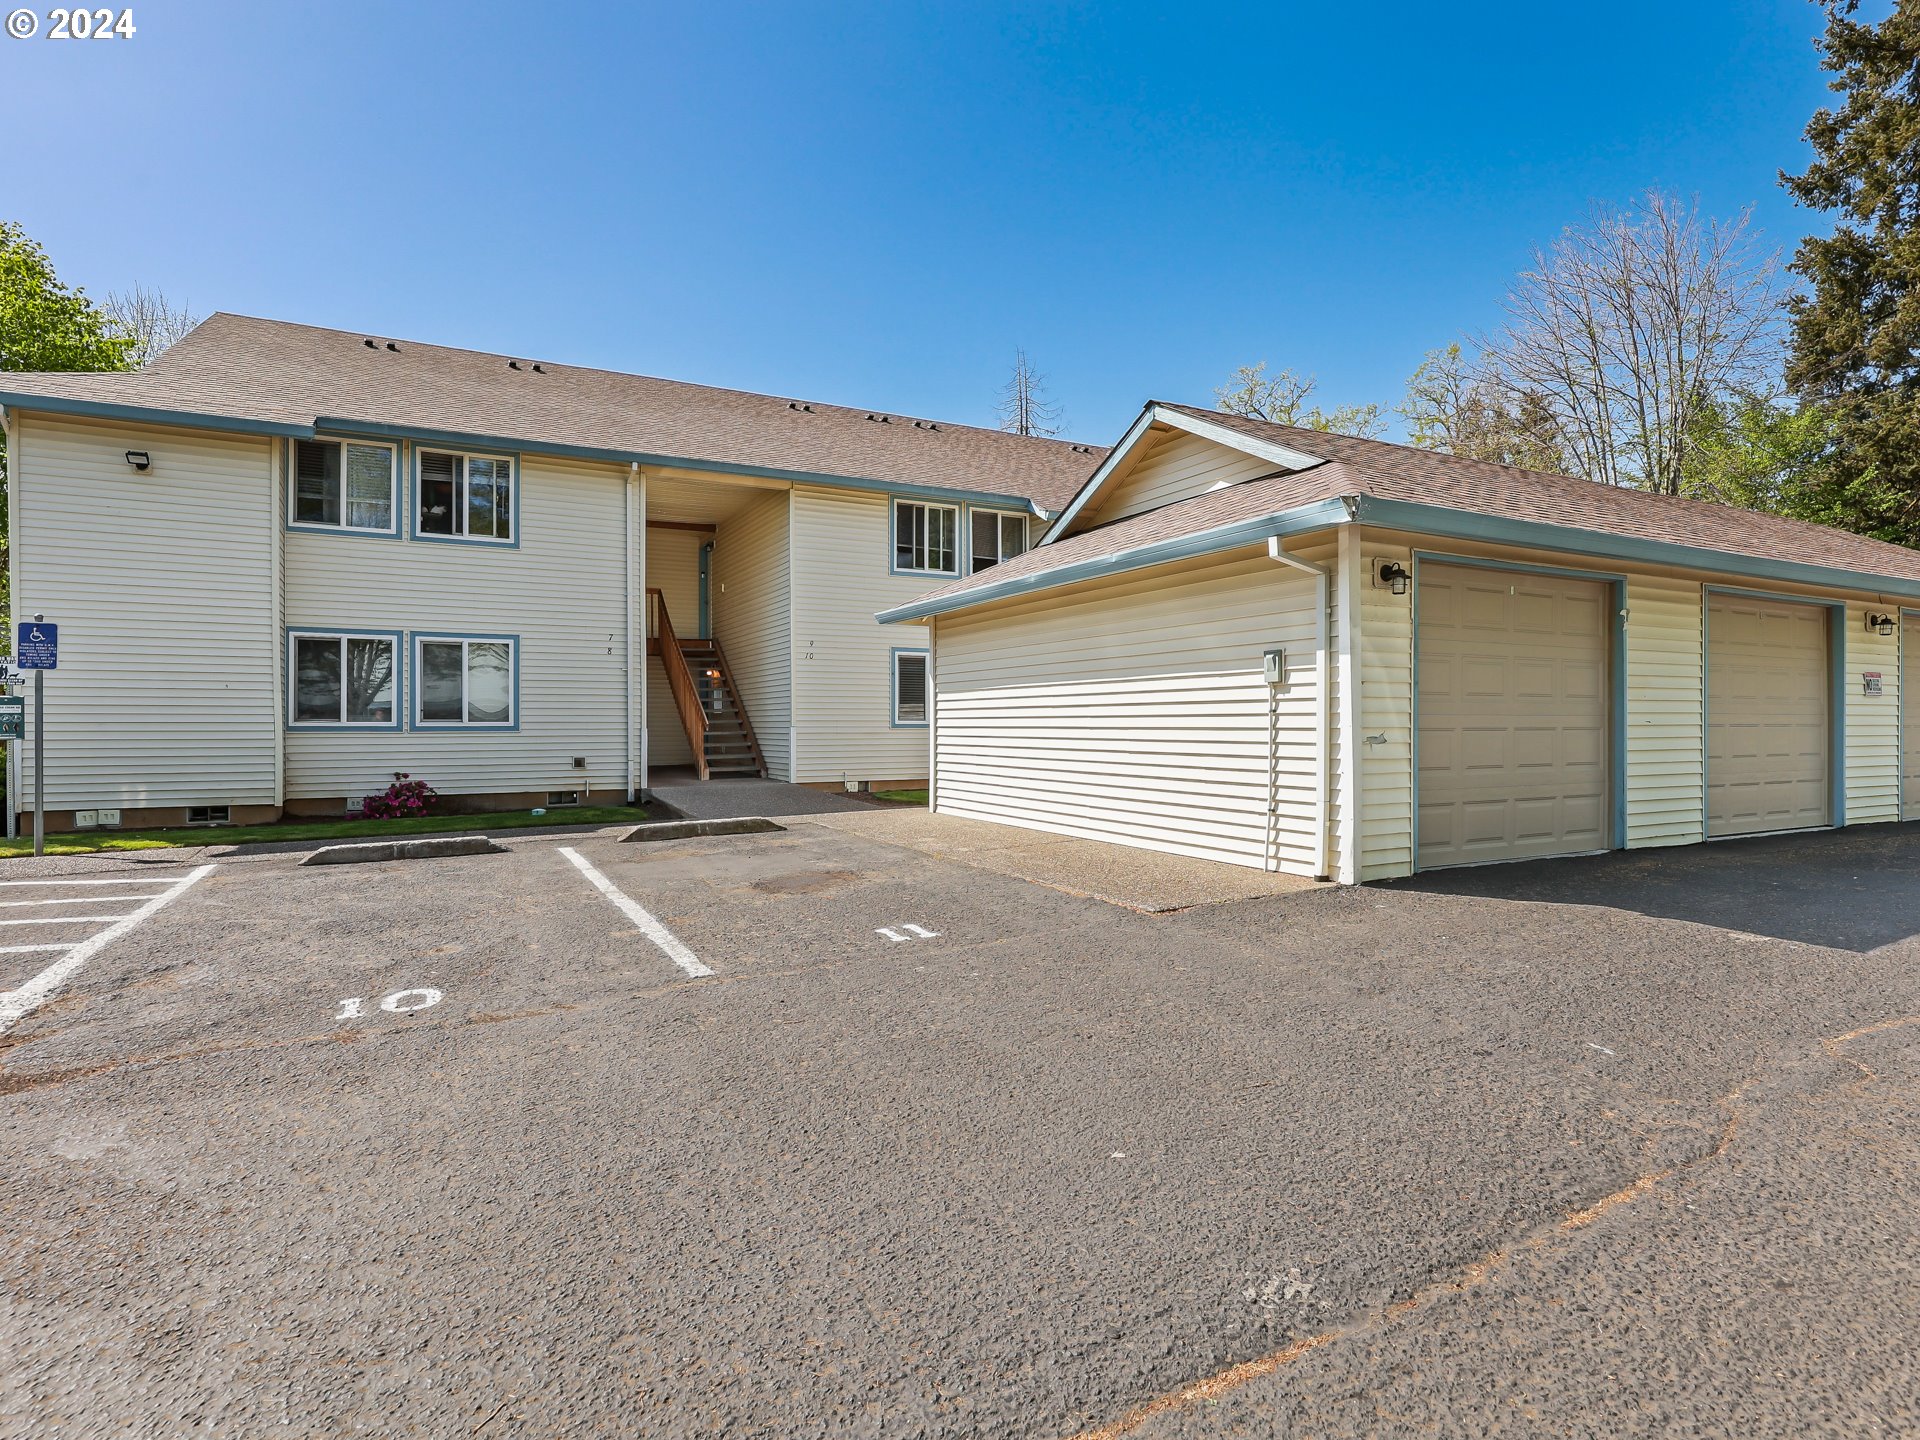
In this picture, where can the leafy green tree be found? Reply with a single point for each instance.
(1283, 398)
(1756, 452)
(44, 325)
(1855, 343)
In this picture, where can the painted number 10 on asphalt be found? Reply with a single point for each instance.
(400, 1002)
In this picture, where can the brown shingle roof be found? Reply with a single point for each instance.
(1374, 469)
(272, 372)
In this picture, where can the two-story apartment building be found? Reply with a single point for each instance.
(288, 561)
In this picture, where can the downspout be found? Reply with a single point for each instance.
(10, 428)
(1323, 628)
(277, 618)
(636, 612)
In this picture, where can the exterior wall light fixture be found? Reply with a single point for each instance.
(1394, 576)
(139, 460)
(1881, 624)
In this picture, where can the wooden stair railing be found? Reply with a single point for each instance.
(686, 694)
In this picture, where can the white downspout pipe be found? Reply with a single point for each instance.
(636, 609)
(1323, 782)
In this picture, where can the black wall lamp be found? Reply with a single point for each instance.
(1882, 624)
(140, 460)
(1394, 576)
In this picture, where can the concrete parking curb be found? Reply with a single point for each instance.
(690, 829)
(404, 850)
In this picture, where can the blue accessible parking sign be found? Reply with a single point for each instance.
(36, 646)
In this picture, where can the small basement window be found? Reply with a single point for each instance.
(342, 485)
(209, 814)
(925, 538)
(909, 687)
(467, 497)
(997, 535)
(558, 798)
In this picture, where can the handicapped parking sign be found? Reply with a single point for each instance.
(36, 646)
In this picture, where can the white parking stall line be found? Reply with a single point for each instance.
(668, 942)
(31, 949)
(113, 880)
(68, 919)
(75, 900)
(29, 997)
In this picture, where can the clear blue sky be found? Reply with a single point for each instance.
(874, 204)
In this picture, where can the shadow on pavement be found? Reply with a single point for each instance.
(1844, 889)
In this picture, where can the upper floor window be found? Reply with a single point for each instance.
(926, 537)
(343, 485)
(997, 535)
(469, 497)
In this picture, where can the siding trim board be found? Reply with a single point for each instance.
(1616, 584)
(1836, 700)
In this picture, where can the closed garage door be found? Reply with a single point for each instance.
(1910, 715)
(1513, 707)
(1768, 716)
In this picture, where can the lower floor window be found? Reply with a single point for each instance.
(343, 679)
(909, 687)
(464, 681)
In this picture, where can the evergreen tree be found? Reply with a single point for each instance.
(1856, 334)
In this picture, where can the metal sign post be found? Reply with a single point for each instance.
(37, 648)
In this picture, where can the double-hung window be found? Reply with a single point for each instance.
(926, 538)
(462, 680)
(342, 485)
(342, 679)
(910, 699)
(997, 535)
(468, 497)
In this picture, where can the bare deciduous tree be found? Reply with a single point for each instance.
(1023, 409)
(150, 319)
(1629, 326)
(1453, 407)
(1282, 398)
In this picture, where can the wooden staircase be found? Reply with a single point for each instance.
(704, 693)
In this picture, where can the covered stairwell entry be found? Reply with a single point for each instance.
(708, 702)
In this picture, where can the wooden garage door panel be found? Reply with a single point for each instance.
(1910, 716)
(1513, 715)
(1768, 716)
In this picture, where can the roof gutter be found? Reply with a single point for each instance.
(1424, 519)
(1316, 516)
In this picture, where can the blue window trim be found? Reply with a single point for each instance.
(339, 632)
(308, 527)
(413, 494)
(463, 727)
(894, 502)
(893, 683)
(1836, 695)
(1616, 584)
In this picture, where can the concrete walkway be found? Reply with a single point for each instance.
(733, 796)
(1119, 874)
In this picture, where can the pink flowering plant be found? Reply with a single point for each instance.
(404, 797)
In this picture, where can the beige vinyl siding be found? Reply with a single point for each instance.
(1135, 710)
(842, 656)
(561, 592)
(1874, 755)
(1386, 715)
(1909, 638)
(162, 586)
(1666, 709)
(673, 568)
(1178, 466)
(751, 620)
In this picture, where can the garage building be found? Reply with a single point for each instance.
(1339, 657)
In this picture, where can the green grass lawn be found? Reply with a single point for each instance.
(90, 842)
(902, 797)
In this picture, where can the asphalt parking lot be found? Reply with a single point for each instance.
(459, 1146)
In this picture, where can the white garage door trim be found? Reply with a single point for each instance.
(1836, 612)
(1615, 585)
